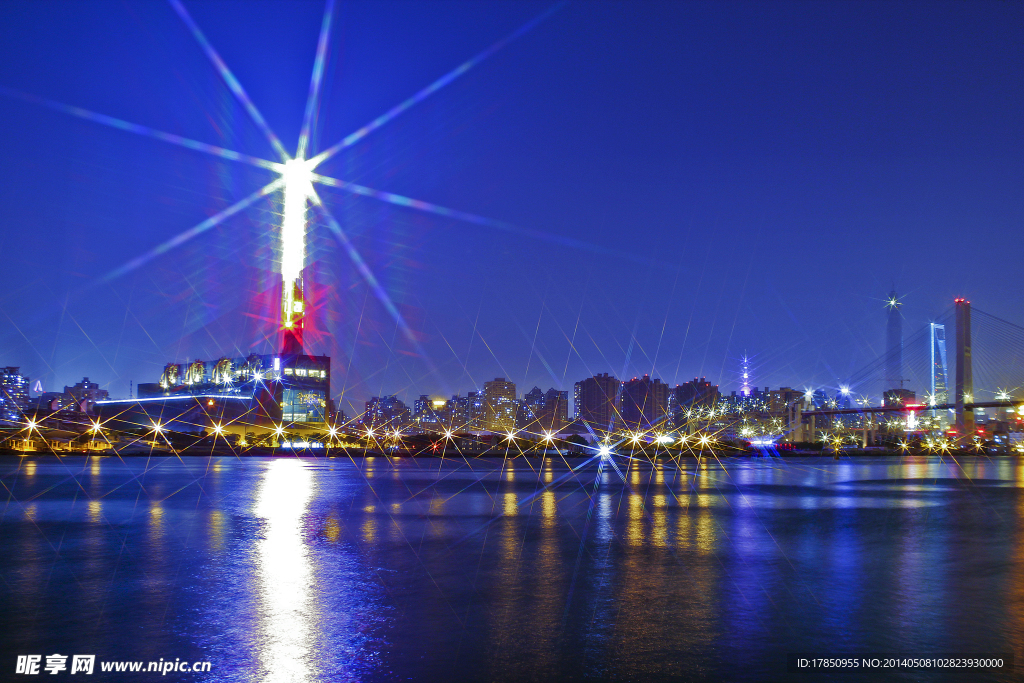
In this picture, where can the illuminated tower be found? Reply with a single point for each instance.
(937, 353)
(297, 189)
(745, 372)
(893, 344)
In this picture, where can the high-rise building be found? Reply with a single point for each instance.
(643, 403)
(500, 405)
(467, 412)
(544, 411)
(386, 412)
(893, 343)
(596, 401)
(13, 394)
(939, 381)
(534, 400)
(692, 395)
(86, 394)
(556, 410)
(432, 414)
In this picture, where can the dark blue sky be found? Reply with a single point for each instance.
(688, 181)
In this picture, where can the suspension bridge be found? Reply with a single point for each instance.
(986, 364)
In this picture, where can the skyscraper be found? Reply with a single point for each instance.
(939, 385)
(643, 402)
(13, 394)
(500, 405)
(596, 401)
(698, 393)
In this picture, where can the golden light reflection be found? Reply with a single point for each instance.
(511, 505)
(369, 529)
(216, 529)
(659, 534)
(30, 512)
(547, 508)
(285, 575)
(156, 518)
(30, 468)
(95, 511)
(635, 523)
(332, 530)
(94, 466)
(707, 534)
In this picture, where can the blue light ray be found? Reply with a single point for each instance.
(230, 79)
(432, 88)
(185, 236)
(121, 124)
(314, 82)
(465, 216)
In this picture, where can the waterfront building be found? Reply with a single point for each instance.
(432, 415)
(500, 405)
(643, 403)
(697, 394)
(386, 412)
(86, 394)
(544, 411)
(257, 393)
(596, 401)
(13, 394)
(556, 410)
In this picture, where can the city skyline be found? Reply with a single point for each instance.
(591, 262)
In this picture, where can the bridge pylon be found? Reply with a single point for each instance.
(964, 372)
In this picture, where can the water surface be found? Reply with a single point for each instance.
(294, 569)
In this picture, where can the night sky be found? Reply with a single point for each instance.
(667, 186)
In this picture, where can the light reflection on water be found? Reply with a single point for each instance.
(335, 569)
(286, 612)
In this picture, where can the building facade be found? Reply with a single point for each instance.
(643, 403)
(596, 402)
(500, 405)
(13, 394)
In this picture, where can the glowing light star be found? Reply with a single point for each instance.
(157, 427)
(279, 430)
(218, 429)
(332, 431)
(844, 390)
(604, 451)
